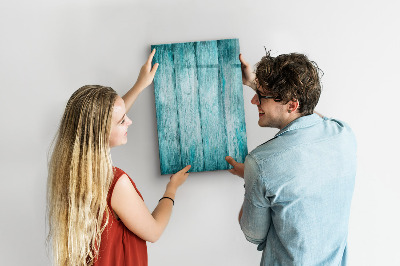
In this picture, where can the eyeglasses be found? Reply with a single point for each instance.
(276, 99)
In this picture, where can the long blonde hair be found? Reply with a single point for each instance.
(80, 174)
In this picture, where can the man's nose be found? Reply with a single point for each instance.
(254, 100)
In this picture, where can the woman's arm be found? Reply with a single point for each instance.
(146, 76)
(131, 209)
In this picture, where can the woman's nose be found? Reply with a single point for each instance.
(129, 122)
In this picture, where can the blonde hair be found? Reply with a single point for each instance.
(80, 174)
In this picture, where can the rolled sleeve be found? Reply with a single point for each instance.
(256, 217)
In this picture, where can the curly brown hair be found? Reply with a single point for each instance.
(290, 77)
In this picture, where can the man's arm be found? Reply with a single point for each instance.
(238, 169)
(240, 213)
(254, 216)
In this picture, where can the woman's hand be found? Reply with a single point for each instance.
(248, 76)
(238, 168)
(146, 74)
(178, 179)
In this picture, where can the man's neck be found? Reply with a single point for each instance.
(290, 119)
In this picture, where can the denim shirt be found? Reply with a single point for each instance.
(298, 191)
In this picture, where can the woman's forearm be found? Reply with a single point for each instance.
(162, 213)
(131, 96)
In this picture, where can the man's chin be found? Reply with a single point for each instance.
(265, 124)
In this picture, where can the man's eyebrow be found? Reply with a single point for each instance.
(260, 92)
(121, 118)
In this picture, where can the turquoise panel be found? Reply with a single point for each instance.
(199, 105)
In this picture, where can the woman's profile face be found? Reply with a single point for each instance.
(119, 124)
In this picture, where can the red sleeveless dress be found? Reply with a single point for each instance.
(119, 246)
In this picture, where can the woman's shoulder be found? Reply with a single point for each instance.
(118, 172)
(122, 177)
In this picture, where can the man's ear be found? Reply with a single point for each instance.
(293, 105)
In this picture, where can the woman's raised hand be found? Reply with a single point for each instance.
(146, 74)
(145, 78)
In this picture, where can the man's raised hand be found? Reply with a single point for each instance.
(248, 76)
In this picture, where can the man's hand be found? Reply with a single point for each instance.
(238, 168)
(248, 76)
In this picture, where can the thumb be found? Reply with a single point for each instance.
(231, 161)
(242, 60)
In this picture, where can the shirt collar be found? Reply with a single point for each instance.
(301, 122)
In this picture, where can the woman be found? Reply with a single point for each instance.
(96, 214)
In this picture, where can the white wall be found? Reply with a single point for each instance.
(50, 48)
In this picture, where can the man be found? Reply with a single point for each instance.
(299, 184)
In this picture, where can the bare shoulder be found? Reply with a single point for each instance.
(123, 181)
(124, 191)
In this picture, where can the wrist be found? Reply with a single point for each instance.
(165, 197)
(170, 191)
(169, 194)
(138, 87)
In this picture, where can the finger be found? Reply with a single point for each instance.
(154, 69)
(232, 171)
(186, 168)
(231, 161)
(151, 56)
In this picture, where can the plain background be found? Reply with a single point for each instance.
(49, 49)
